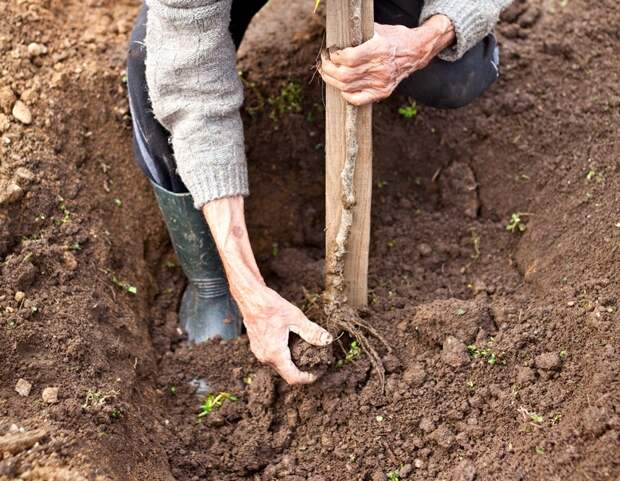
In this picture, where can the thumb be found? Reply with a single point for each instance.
(310, 332)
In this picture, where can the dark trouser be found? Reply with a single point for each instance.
(441, 84)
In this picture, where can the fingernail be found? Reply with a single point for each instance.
(326, 338)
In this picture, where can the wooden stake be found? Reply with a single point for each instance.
(348, 136)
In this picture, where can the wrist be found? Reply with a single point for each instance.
(437, 33)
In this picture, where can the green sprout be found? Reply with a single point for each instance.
(556, 419)
(66, 215)
(116, 413)
(353, 352)
(213, 401)
(537, 418)
(287, 101)
(173, 390)
(516, 224)
(540, 450)
(118, 202)
(95, 399)
(124, 285)
(391, 244)
(563, 355)
(393, 475)
(409, 110)
(482, 353)
(460, 311)
(275, 249)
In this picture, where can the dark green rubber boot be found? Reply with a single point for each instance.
(207, 308)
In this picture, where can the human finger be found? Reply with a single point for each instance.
(367, 83)
(290, 373)
(354, 56)
(363, 97)
(311, 332)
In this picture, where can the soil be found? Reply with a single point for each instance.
(504, 345)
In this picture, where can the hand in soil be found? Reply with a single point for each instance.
(269, 319)
(371, 71)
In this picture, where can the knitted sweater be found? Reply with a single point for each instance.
(196, 93)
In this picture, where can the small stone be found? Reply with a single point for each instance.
(548, 361)
(23, 387)
(50, 395)
(378, 475)
(405, 471)
(525, 375)
(20, 296)
(418, 463)
(427, 425)
(403, 326)
(570, 303)
(36, 49)
(391, 363)
(415, 375)
(7, 99)
(12, 193)
(425, 249)
(24, 173)
(5, 123)
(454, 352)
(22, 113)
(70, 261)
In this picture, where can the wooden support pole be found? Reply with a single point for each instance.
(349, 22)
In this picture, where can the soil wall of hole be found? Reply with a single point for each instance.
(504, 345)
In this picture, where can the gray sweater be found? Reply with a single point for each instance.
(196, 92)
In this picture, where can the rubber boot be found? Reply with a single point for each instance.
(207, 309)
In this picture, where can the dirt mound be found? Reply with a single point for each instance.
(493, 268)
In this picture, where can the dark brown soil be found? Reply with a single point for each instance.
(504, 362)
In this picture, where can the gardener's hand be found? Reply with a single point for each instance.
(371, 71)
(267, 316)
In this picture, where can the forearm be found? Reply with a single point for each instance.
(438, 32)
(226, 219)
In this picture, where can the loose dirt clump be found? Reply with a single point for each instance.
(504, 343)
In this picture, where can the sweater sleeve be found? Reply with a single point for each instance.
(196, 94)
(472, 20)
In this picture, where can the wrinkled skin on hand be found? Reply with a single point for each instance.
(269, 319)
(371, 71)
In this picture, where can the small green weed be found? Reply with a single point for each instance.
(116, 413)
(66, 215)
(409, 110)
(124, 285)
(482, 353)
(287, 101)
(393, 475)
(214, 401)
(516, 224)
(173, 390)
(532, 416)
(353, 352)
(95, 399)
(118, 202)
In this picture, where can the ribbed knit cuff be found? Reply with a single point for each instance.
(470, 20)
(209, 179)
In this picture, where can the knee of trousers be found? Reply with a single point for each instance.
(449, 85)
